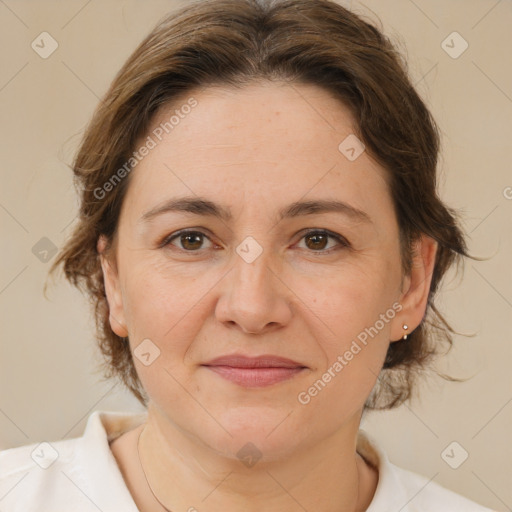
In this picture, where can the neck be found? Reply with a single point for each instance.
(184, 474)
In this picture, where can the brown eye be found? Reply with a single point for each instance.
(190, 241)
(318, 241)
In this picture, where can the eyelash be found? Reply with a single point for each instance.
(343, 243)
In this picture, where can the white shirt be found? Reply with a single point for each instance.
(82, 475)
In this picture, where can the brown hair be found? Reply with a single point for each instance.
(232, 43)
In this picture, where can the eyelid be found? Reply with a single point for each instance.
(176, 234)
(341, 240)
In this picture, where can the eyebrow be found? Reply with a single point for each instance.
(205, 207)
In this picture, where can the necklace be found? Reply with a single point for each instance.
(163, 506)
(145, 476)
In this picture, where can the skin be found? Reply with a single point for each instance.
(255, 150)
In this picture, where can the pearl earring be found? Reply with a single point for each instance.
(405, 327)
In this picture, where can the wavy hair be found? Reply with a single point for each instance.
(236, 42)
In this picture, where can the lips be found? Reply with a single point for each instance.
(254, 371)
(266, 361)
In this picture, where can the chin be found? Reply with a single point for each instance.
(256, 432)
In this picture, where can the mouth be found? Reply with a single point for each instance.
(254, 372)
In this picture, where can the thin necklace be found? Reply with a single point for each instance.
(145, 476)
(166, 509)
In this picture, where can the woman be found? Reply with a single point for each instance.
(262, 240)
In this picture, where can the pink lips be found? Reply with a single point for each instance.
(254, 371)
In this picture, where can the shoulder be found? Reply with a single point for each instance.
(404, 490)
(27, 473)
(426, 495)
(79, 474)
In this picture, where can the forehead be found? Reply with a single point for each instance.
(266, 141)
(277, 115)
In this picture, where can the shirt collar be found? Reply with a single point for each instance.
(390, 494)
(110, 492)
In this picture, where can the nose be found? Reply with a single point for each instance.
(254, 297)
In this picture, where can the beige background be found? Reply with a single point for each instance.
(48, 384)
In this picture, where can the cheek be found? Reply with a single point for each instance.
(347, 301)
(354, 343)
(165, 314)
(353, 310)
(168, 309)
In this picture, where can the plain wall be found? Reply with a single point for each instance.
(48, 379)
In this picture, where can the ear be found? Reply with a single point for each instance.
(112, 290)
(416, 287)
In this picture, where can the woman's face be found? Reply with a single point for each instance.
(262, 271)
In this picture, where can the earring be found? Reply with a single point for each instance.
(405, 327)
